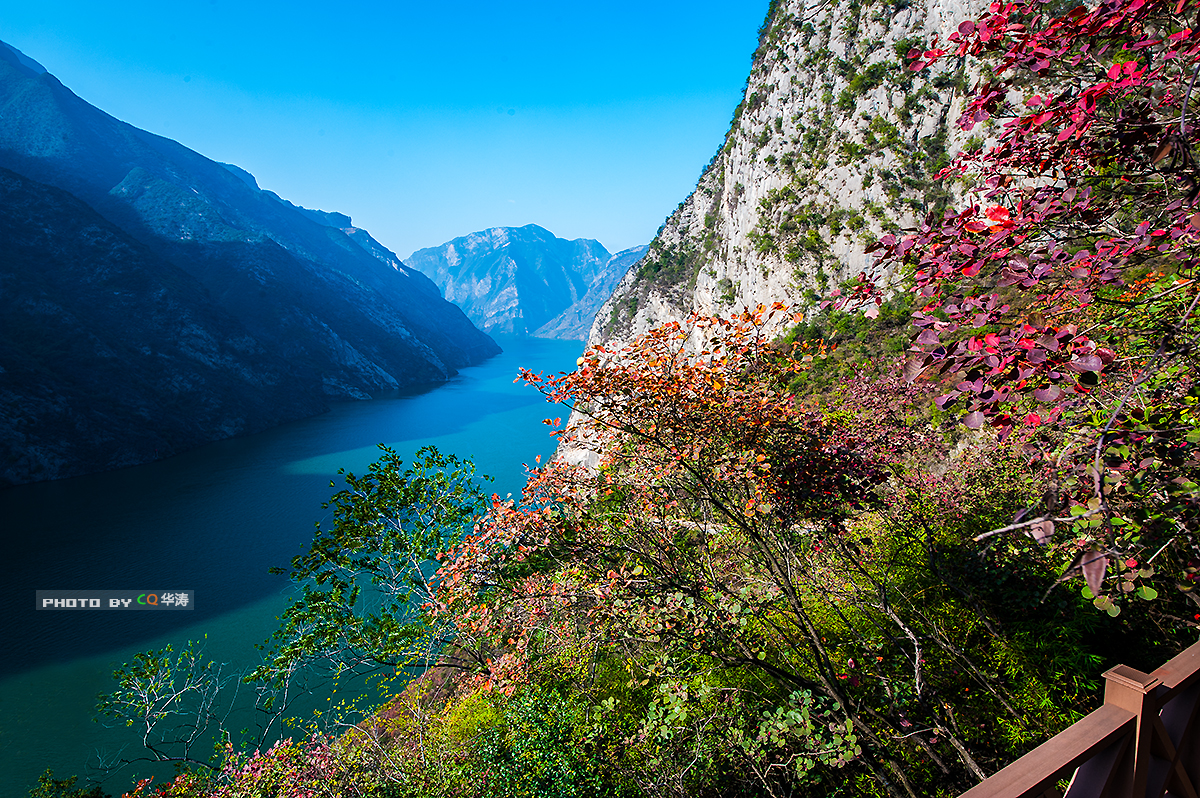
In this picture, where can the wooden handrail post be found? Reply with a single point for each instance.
(1144, 742)
(1133, 691)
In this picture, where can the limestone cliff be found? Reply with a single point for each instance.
(834, 142)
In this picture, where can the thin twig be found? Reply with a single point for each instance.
(1031, 522)
(1186, 101)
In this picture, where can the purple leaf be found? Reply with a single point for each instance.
(1086, 363)
(973, 420)
(927, 337)
(1047, 394)
(946, 399)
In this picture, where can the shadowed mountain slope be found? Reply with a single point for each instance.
(327, 308)
(110, 355)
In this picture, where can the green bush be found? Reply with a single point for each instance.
(50, 787)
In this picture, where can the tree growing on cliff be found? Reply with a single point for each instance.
(751, 563)
(358, 610)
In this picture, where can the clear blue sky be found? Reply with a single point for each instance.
(422, 121)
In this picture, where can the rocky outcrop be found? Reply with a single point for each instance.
(834, 143)
(574, 323)
(525, 280)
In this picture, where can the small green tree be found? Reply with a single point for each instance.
(361, 585)
(50, 787)
(364, 581)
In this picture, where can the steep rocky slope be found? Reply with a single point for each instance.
(524, 280)
(834, 143)
(110, 355)
(575, 322)
(343, 315)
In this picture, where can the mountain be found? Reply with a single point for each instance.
(574, 323)
(328, 311)
(299, 284)
(835, 142)
(110, 355)
(521, 280)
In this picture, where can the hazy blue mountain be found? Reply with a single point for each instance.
(575, 322)
(346, 225)
(519, 279)
(325, 308)
(304, 288)
(111, 356)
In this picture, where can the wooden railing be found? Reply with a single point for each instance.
(1143, 743)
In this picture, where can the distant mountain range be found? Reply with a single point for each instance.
(154, 299)
(525, 280)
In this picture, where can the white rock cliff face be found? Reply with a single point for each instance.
(835, 142)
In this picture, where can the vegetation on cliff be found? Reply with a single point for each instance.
(758, 594)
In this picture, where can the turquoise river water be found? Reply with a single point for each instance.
(213, 520)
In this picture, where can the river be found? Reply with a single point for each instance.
(213, 520)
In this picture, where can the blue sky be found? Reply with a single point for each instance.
(423, 122)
